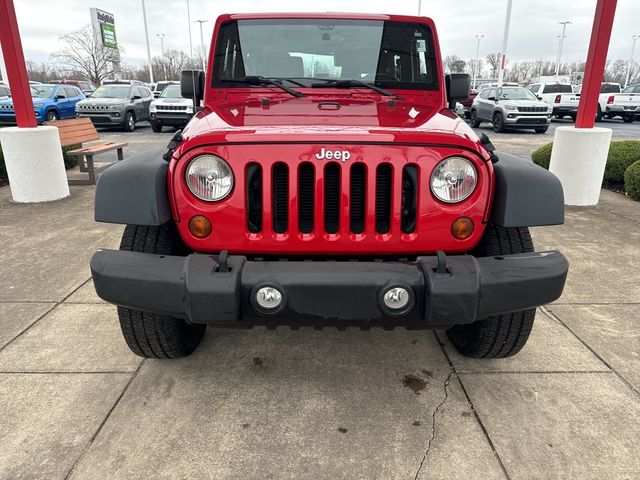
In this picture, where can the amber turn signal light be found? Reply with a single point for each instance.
(462, 228)
(199, 226)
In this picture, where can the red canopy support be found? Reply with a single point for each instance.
(596, 60)
(16, 68)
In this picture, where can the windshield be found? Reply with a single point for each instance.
(172, 91)
(517, 94)
(112, 91)
(160, 86)
(41, 92)
(387, 54)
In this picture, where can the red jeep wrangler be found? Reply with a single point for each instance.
(325, 182)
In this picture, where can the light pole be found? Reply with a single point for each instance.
(204, 52)
(419, 7)
(146, 36)
(505, 38)
(475, 68)
(162, 63)
(161, 37)
(633, 47)
(189, 23)
(562, 37)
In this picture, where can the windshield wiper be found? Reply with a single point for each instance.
(350, 83)
(259, 80)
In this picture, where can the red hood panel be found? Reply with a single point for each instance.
(328, 119)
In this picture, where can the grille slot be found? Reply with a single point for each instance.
(254, 197)
(409, 200)
(357, 196)
(532, 109)
(383, 198)
(305, 197)
(332, 198)
(280, 189)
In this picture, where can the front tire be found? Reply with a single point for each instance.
(52, 116)
(475, 123)
(542, 130)
(498, 123)
(152, 335)
(129, 124)
(627, 118)
(599, 114)
(499, 336)
(155, 126)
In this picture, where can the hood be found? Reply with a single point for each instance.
(102, 101)
(524, 103)
(172, 101)
(330, 118)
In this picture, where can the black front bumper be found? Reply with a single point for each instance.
(445, 291)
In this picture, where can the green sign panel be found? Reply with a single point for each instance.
(108, 35)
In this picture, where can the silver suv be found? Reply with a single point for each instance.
(117, 104)
(510, 107)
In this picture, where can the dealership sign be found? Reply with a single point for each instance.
(104, 27)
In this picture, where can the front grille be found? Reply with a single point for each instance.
(331, 198)
(532, 121)
(532, 109)
(97, 107)
(6, 107)
(175, 108)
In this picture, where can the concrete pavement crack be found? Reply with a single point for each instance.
(433, 424)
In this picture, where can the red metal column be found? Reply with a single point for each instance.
(16, 68)
(596, 59)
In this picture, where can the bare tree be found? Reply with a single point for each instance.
(41, 72)
(454, 64)
(493, 60)
(84, 54)
(472, 64)
(169, 66)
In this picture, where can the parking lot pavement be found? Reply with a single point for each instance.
(257, 404)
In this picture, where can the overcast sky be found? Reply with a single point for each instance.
(533, 34)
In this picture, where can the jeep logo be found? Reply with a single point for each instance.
(343, 155)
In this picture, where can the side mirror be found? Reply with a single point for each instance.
(458, 87)
(136, 97)
(493, 99)
(60, 96)
(538, 97)
(192, 85)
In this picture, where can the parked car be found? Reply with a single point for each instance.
(171, 109)
(560, 96)
(123, 82)
(510, 108)
(410, 218)
(160, 86)
(117, 104)
(50, 102)
(86, 87)
(615, 102)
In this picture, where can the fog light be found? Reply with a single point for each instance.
(199, 226)
(396, 298)
(462, 228)
(268, 298)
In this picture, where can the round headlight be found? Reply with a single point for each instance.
(209, 178)
(453, 179)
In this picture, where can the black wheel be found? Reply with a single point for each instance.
(475, 123)
(129, 124)
(542, 130)
(627, 118)
(52, 116)
(498, 123)
(149, 334)
(559, 116)
(502, 335)
(599, 114)
(155, 126)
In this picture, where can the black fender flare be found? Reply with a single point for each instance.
(134, 191)
(525, 194)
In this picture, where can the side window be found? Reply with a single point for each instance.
(60, 93)
(4, 92)
(71, 92)
(492, 93)
(484, 94)
(147, 92)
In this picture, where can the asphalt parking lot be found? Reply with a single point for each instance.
(259, 404)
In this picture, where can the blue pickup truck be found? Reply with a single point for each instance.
(50, 102)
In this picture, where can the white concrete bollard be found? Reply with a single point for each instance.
(33, 157)
(578, 159)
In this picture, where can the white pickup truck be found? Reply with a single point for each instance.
(560, 96)
(615, 103)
